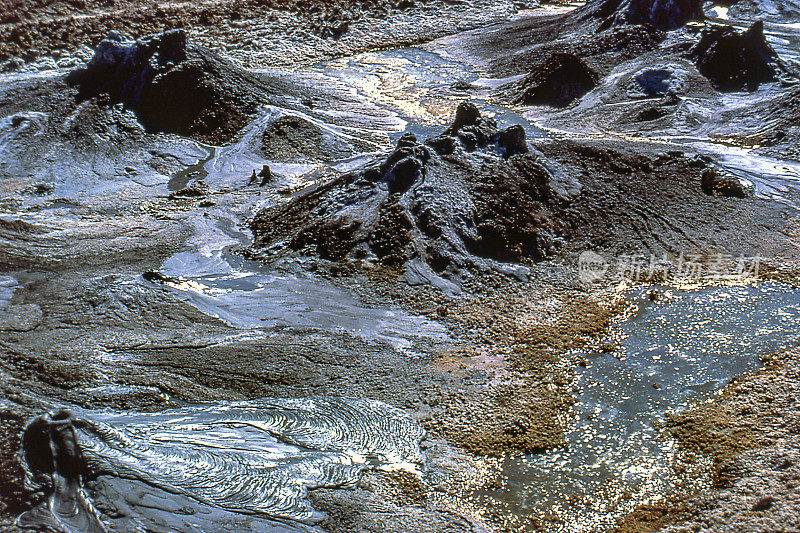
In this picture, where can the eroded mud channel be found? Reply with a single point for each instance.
(346, 295)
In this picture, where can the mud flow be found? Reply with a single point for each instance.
(317, 268)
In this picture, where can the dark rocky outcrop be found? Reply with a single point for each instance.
(661, 14)
(196, 190)
(557, 81)
(715, 181)
(511, 141)
(262, 177)
(734, 61)
(52, 454)
(170, 86)
(475, 196)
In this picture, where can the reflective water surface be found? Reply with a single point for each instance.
(673, 352)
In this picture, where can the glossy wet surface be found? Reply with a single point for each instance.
(673, 352)
(224, 462)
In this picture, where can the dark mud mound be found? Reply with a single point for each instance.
(661, 14)
(734, 61)
(716, 181)
(557, 81)
(292, 139)
(473, 196)
(170, 86)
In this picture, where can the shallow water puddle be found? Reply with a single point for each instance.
(246, 294)
(675, 351)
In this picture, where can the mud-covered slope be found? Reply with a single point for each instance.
(661, 14)
(172, 87)
(630, 75)
(472, 197)
(476, 197)
(780, 11)
(644, 198)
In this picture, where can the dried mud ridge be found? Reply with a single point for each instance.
(181, 455)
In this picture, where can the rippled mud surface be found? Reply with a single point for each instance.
(422, 86)
(246, 458)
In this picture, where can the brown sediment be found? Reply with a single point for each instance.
(529, 413)
(581, 321)
(46, 26)
(524, 343)
(405, 488)
(12, 475)
(786, 273)
(753, 411)
(653, 516)
(524, 416)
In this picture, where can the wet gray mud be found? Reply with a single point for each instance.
(209, 390)
(673, 352)
(207, 465)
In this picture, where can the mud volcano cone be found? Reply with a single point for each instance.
(661, 14)
(557, 81)
(734, 61)
(171, 86)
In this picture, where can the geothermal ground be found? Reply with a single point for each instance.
(414, 266)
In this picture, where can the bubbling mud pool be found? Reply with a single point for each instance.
(673, 352)
(245, 465)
